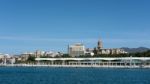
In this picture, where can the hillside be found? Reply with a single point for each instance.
(134, 50)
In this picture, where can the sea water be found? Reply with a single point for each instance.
(50, 75)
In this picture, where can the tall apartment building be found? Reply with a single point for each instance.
(77, 49)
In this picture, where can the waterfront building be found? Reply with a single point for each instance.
(122, 62)
(77, 49)
(39, 53)
(1, 55)
(25, 56)
(111, 51)
(1, 58)
(6, 59)
(52, 54)
(101, 50)
(89, 52)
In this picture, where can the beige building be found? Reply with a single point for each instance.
(77, 49)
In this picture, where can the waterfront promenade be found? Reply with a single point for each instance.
(116, 62)
(57, 65)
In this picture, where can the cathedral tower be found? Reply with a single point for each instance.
(99, 44)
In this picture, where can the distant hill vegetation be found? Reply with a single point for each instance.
(135, 50)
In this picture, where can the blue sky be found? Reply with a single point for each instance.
(27, 25)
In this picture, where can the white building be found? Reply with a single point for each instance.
(6, 59)
(1, 55)
(52, 54)
(111, 51)
(89, 52)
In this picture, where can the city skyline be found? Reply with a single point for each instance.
(52, 25)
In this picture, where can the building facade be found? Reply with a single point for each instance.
(75, 50)
(101, 50)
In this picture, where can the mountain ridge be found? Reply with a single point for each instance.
(135, 50)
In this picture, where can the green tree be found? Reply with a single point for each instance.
(31, 58)
(95, 51)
